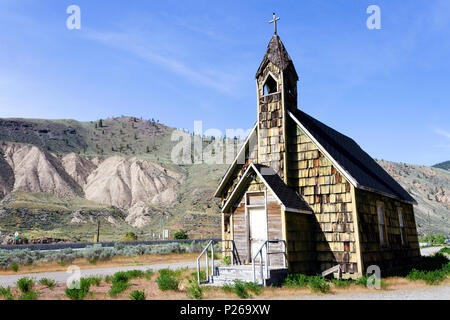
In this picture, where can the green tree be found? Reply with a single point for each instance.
(180, 235)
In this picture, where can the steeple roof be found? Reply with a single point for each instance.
(277, 54)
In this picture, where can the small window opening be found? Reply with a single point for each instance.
(270, 86)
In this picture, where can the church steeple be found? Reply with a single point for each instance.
(278, 55)
(276, 81)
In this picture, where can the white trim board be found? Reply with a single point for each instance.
(252, 166)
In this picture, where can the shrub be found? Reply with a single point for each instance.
(241, 289)
(254, 287)
(318, 284)
(445, 250)
(130, 236)
(15, 267)
(138, 295)
(296, 280)
(79, 294)
(180, 235)
(25, 284)
(194, 291)
(118, 287)
(430, 277)
(166, 280)
(433, 238)
(6, 293)
(48, 283)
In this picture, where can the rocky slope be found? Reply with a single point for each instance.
(431, 189)
(56, 175)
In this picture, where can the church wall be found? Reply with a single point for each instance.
(394, 255)
(301, 248)
(328, 193)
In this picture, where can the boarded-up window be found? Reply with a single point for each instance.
(256, 199)
(381, 224)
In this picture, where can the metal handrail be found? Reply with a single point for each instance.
(234, 259)
(267, 253)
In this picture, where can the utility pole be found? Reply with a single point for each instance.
(98, 230)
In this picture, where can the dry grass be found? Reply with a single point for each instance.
(118, 261)
(152, 292)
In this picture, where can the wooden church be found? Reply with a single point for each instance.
(304, 197)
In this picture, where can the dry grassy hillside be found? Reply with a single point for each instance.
(58, 177)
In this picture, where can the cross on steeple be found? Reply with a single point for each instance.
(274, 21)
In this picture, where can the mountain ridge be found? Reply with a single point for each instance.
(121, 169)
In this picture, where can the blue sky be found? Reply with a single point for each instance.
(181, 61)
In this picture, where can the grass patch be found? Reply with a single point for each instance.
(166, 280)
(138, 295)
(242, 289)
(79, 290)
(15, 267)
(445, 250)
(48, 283)
(194, 291)
(6, 293)
(120, 281)
(30, 295)
(228, 288)
(432, 269)
(296, 280)
(338, 283)
(94, 281)
(318, 284)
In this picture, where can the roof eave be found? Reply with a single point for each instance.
(414, 202)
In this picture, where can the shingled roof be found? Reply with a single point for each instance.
(285, 195)
(358, 164)
(277, 54)
(288, 197)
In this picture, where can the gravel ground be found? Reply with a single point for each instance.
(429, 293)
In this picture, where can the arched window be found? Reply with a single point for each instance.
(270, 86)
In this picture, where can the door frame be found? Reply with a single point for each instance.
(247, 220)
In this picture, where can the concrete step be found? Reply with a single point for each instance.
(227, 275)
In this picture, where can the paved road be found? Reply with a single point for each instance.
(429, 251)
(62, 276)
